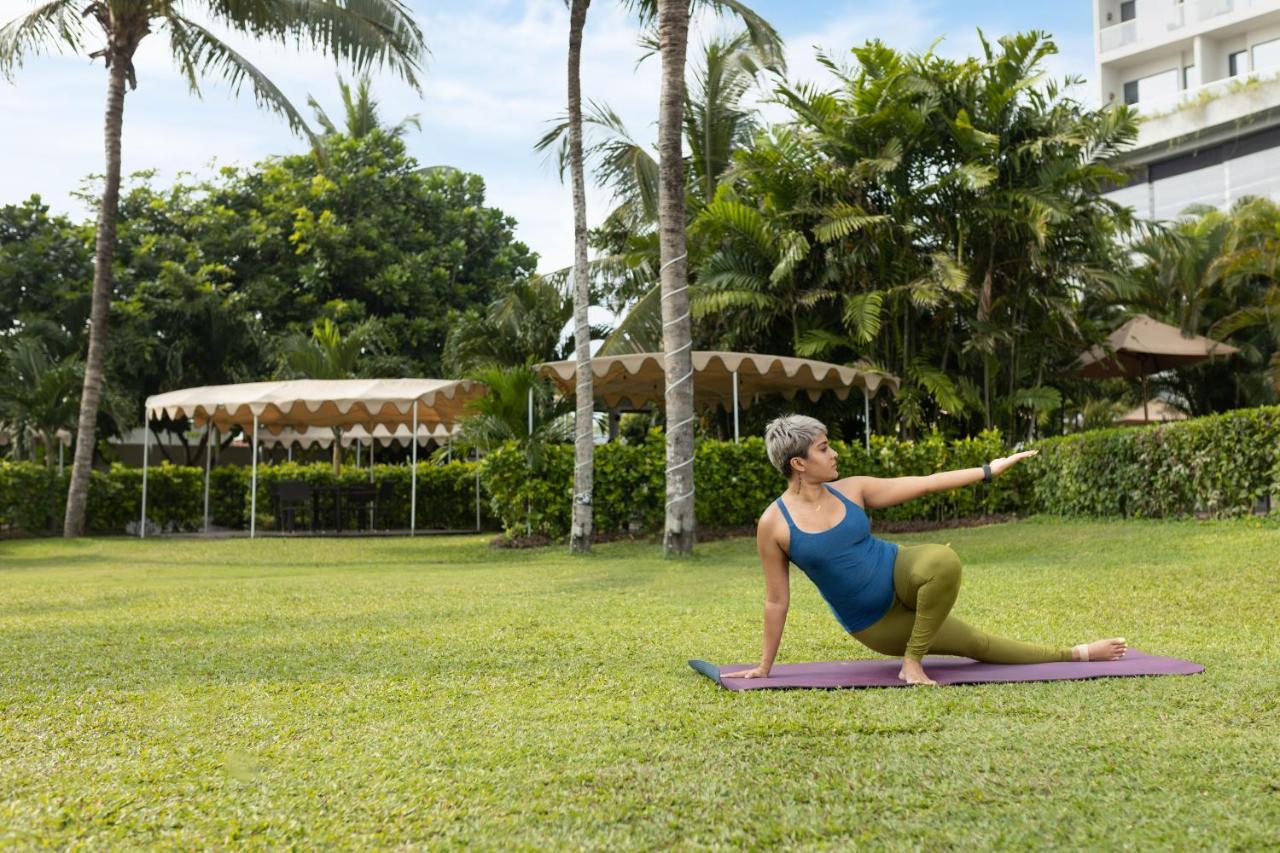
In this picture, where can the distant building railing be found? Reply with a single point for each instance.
(1165, 104)
(1155, 22)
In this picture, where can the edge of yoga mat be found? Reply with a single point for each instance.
(945, 670)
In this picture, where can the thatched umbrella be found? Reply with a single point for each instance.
(1143, 346)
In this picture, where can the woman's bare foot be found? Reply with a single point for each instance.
(913, 673)
(1112, 649)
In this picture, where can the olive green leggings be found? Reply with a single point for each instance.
(926, 581)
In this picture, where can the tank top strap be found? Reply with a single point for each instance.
(835, 492)
(786, 514)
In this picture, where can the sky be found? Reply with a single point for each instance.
(495, 76)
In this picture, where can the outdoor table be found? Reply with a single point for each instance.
(359, 491)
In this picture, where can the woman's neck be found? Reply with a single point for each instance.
(806, 492)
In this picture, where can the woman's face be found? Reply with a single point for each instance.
(819, 465)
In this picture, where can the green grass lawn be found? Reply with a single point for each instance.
(435, 692)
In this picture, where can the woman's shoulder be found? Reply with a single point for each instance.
(771, 512)
(849, 487)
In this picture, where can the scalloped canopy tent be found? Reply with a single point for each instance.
(728, 380)
(313, 404)
(384, 436)
(304, 403)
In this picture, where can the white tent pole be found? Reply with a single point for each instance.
(372, 443)
(61, 447)
(208, 457)
(448, 449)
(253, 483)
(290, 451)
(529, 410)
(735, 407)
(413, 475)
(866, 418)
(477, 490)
(146, 447)
(358, 445)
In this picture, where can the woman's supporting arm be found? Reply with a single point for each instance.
(777, 592)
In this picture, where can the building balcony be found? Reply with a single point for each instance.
(1195, 95)
(1160, 21)
(1153, 26)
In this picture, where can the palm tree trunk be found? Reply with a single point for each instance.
(73, 523)
(984, 312)
(584, 425)
(677, 334)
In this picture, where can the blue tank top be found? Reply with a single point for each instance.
(852, 569)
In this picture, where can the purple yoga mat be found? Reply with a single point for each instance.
(942, 669)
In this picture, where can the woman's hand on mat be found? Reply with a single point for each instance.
(1000, 465)
(758, 672)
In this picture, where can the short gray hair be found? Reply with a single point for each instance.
(790, 436)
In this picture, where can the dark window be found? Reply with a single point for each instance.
(1131, 92)
(1237, 63)
(1127, 10)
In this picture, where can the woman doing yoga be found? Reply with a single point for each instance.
(894, 599)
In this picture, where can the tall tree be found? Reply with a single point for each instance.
(677, 333)
(584, 421)
(367, 33)
(717, 124)
(672, 19)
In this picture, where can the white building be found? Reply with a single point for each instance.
(1205, 77)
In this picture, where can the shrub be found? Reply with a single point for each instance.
(33, 498)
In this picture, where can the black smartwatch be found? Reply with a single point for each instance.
(986, 472)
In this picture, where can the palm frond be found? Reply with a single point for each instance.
(640, 330)
(818, 343)
(366, 34)
(862, 315)
(843, 220)
(53, 25)
(200, 53)
(795, 248)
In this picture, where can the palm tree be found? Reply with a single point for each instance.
(367, 33)
(717, 124)
(502, 414)
(522, 326)
(880, 202)
(1247, 295)
(360, 113)
(38, 396)
(677, 332)
(328, 354)
(672, 18)
(584, 420)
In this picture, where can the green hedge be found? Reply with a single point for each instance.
(1218, 465)
(33, 497)
(735, 482)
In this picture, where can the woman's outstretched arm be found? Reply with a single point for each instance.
(879, 492)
